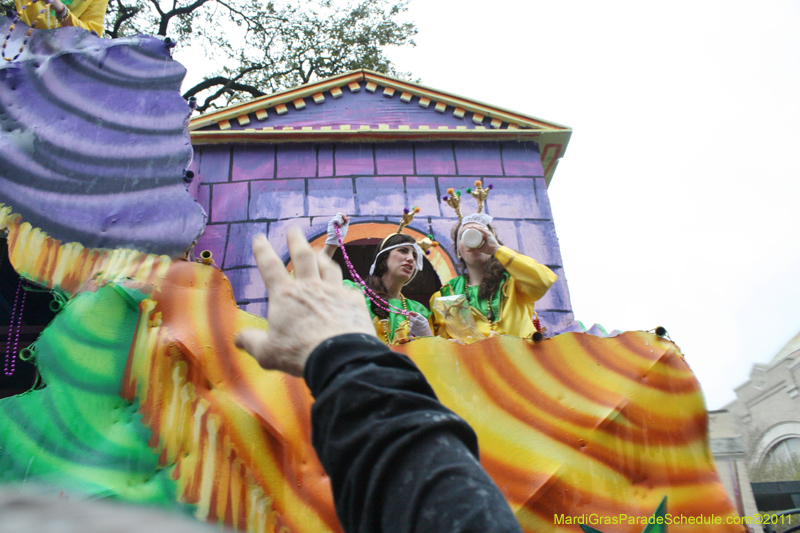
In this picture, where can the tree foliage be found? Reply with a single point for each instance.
(255, 47)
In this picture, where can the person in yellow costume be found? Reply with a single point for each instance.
(500, 285)
(86, 14)
(397, 260)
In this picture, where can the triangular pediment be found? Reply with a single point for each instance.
(366, 106)
(364, 99)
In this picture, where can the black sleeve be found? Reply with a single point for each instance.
(398, 459)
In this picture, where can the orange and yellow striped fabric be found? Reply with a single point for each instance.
(573, 425)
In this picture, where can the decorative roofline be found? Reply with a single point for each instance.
(504, 125)
(359, 134)
(373, 79)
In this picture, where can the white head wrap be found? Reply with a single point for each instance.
(477, 218)
(417, 249)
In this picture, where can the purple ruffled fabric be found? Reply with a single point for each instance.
(93, 140)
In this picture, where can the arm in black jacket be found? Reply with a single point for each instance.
(398, 459)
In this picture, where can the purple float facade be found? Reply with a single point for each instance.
(265, 187)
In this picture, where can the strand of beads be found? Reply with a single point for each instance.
(379, 302)
(12, 349)
(27, 35)
(536, 323)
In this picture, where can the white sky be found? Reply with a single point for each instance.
(678, 200)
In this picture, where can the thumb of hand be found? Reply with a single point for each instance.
(257, 343)
(253, 341)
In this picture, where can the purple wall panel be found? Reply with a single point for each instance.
(325, 161)
(562, 289)
(511, 198)
(421, 192)
(214, 239)
(475, 159)
(326, 197)
(394, 159)
(380, 196)
(468, 203)
(354, 160)
(194, 186)
(441, 232)
(521, 159)
(538, 240)
(247, 284)
(435, 159)
(229, 202)
(256, 308)
(203, 197)
(238, 251)
(542, 199)
(277, 234)
(319, 226)
(507, 233)
(276, 199)
(214, 165)
(557, 297)
(555, 321)
(253, 162)
(296, 160)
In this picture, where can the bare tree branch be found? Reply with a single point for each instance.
(221, 80)
(260, 46)
(125, 13)
(227, 86)
(157, 6)
(167, 17)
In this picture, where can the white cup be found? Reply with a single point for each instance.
(472, 238)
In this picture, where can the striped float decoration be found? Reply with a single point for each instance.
(70, 267)
(573, 425)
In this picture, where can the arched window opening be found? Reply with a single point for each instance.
(781, 462)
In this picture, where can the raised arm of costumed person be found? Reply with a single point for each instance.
(397, 260)
(500, 285)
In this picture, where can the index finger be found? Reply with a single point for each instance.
(272, 270)
(303, 257)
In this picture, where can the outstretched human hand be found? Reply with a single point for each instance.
(304, 311)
